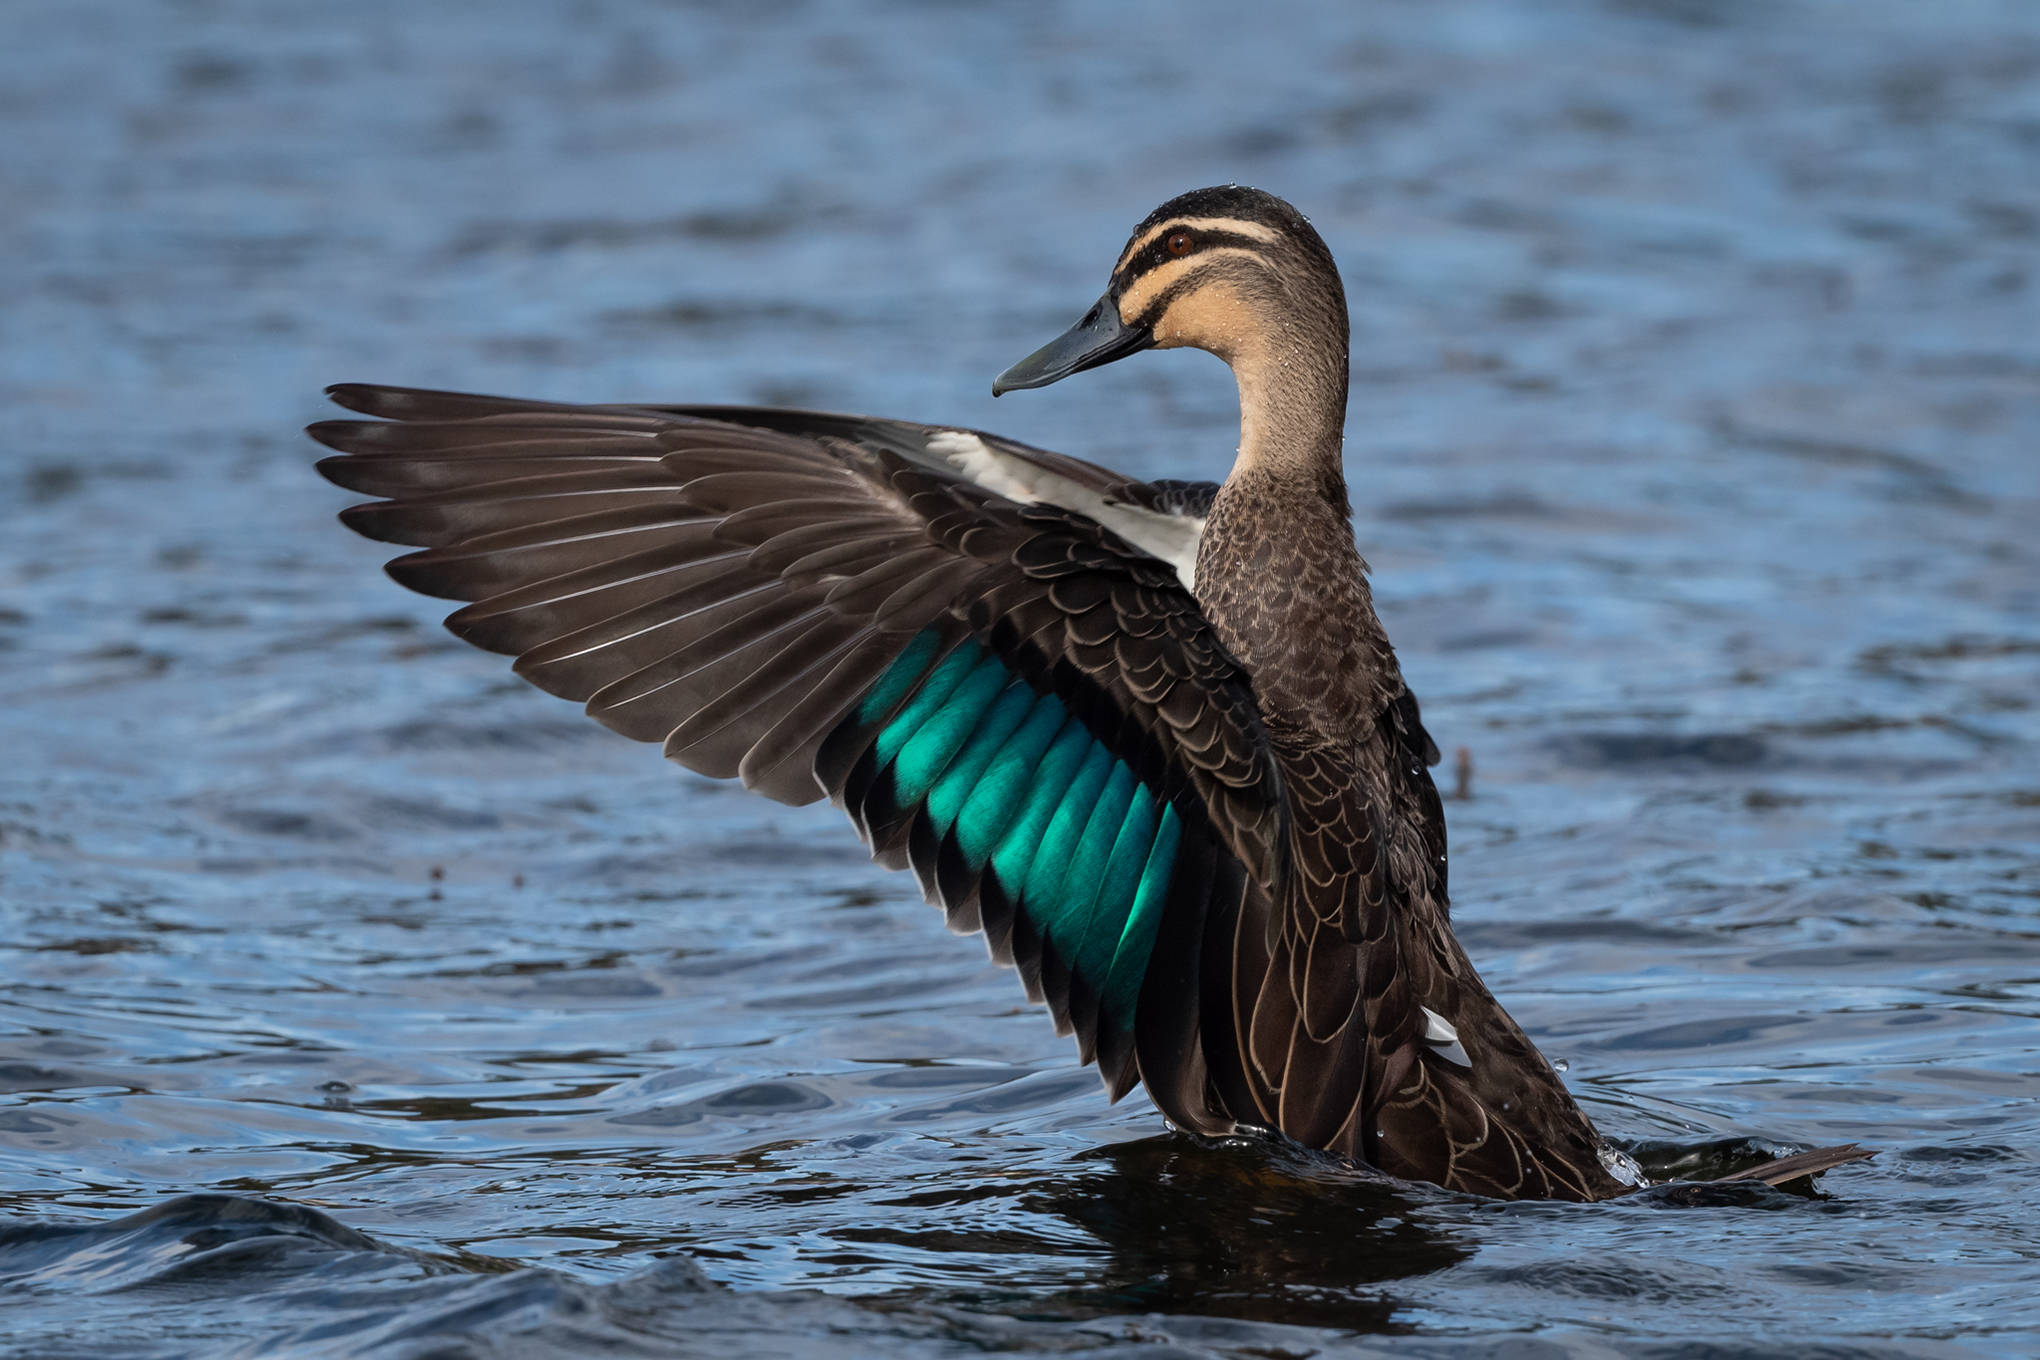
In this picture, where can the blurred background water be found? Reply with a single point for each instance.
(357, 1000)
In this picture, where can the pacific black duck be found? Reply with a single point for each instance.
(1148, 737)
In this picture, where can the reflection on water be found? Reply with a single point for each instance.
(1242, 1232)
(356, 999)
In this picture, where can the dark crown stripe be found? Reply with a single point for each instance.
(1210, 239)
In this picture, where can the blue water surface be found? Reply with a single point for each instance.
(356, 999)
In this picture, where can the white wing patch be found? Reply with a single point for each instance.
(1170, 538)
(1443, 1038)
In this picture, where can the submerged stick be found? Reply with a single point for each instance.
(1802, 1164)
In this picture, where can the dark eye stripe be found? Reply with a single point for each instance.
(1157, 253)
(1199, 240)
(1170, 294)
(1200, 272)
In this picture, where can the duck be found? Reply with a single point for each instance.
(1149, 738)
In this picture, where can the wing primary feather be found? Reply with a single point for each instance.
(786, 755)
(850, 739)
(763, 688)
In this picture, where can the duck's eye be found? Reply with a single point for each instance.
(1179, 243)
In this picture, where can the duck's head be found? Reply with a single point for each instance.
(1231, 270)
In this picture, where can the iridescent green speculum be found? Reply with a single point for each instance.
(1074, 838)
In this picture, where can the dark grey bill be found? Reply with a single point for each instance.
(1098, 339)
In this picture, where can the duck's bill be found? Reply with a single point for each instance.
(1098, 339)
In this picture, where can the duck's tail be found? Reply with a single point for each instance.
(1802, 1164)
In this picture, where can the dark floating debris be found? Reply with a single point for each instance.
(1703, 750)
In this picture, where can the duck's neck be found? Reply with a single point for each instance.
(1293, 414)
(1278, 573)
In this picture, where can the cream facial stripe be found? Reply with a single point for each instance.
(1135, 301)
(1233, 226)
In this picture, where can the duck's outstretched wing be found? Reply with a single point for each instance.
(986, 654)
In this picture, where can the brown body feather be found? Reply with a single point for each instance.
(1357, 943)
